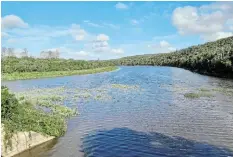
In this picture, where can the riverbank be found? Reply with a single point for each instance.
(35, 75)
(29, 122)
(22, 141)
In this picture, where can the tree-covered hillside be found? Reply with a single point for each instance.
(212, 58)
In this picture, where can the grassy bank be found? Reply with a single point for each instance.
(34, 75)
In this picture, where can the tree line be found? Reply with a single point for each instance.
(30, 64)
(212, 58)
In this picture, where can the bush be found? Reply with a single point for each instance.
(9, 104)
(23, 115)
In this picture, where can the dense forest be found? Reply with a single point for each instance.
(212, 58)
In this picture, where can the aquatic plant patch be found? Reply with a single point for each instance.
(199, 94)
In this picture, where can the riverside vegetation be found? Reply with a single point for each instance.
(212, 58)
(34, 75)
(20, 114)
(45, 110)
(14, 68)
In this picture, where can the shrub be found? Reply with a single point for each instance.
(9, 104)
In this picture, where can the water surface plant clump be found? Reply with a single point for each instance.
(199, 94)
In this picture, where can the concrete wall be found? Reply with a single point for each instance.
(22, 141)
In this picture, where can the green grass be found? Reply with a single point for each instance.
(35, 75)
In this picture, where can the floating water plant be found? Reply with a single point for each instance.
(197, 95)
(125, 87)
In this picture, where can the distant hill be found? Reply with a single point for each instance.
(212, 58)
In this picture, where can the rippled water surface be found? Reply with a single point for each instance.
(155, 121)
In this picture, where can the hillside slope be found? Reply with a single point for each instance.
(212, 58)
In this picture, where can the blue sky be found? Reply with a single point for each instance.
(105, 30)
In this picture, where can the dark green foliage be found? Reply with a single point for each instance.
(212, 58)
(29, 64)
(22, 115)
(9, 104)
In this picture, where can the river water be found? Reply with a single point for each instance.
(157, 121)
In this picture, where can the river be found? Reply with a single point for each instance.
(157, 121)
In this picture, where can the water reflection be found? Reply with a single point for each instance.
(125, 142)
(38, 150)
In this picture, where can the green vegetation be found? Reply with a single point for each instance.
(34, 75)
(192, 95)
(22, 114)
(204, 90)
(198, 94)
(29, 64)
(125, 87)
(225, 91)
(212, 58)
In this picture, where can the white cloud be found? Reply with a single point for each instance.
(100, 46)
(217, 35)
(82, 53)
(208, 21)
(111, 25)
(134, 22)
(102, 37)
(231, 28)
(162, 47)
(120, 5)
(46, 32)
(117, 51)
(101, 25)
(229, 24)
(13, 21)
(4, 35)
(218, 5)
(164, 43)
(39, 37)
(68, 53)
(11, 40)
(92, 24)
(172, 36)
(77, 32)
(52, 49)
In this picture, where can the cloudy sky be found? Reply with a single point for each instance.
(104, 30)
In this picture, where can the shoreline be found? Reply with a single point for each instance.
(23, 141)
(50, 74)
